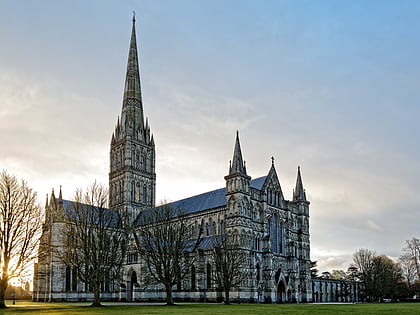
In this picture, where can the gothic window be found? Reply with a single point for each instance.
(222, 227)
(133, 158)
(208, 276)
(207, 229)
(138, 192)
(137, 159)
(258, 272)
(132, 258)
(74, 280)
(273, 233)
(133, 191)
(280, 236)
(214, 228)
(144, 194)
(193, 280)
(144, 163)
(68, 278)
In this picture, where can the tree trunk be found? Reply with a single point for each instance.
(3, 287)
(227, 297)
(96, 296)
(169, 300)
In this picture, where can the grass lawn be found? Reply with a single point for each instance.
(27, 307)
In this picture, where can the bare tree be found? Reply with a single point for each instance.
(166, 243)
(20, 223)
(94, 239)
(408, 269)
(229, 261)
(413, 250)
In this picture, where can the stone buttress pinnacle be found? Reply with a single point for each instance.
(299, 192)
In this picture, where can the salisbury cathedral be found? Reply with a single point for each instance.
(274, 232)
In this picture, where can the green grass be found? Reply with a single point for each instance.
(26, 307)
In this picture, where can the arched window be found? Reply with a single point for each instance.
(68, 278)
(74, 279)
(144, 194)
(273, 234)
(258, 272)
(133, 190)
(144, 163)
(280, 237)
(208, 276)
(138, 192)
(193, 277)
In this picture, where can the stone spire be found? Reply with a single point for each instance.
(132, 121)
(237, 165)
(299, 192)
(132, 177)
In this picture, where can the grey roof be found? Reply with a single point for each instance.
(210, 200)
(206, 201)
(209, 242)
(258, 182)
(112, 217)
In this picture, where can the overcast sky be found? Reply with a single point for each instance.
(332, 86)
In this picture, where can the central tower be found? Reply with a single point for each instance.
(132, 177)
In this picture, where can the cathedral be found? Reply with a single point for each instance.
(274, 232)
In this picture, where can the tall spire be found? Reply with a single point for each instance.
(132, 112)
(238, 165)
(132, 177)
(299, 193)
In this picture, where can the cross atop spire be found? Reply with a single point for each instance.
(299, 193)
(238, 165)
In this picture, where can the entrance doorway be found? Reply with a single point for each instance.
(130, 286)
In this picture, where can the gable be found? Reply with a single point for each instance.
(272, 182)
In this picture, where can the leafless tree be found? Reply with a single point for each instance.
(20, 223)
(412, 249)
(229, 261)
(94, 239)
(408, 269)
(167, 245)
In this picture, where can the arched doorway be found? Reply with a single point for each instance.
(281, 292)
(281, 286)
(130, 286)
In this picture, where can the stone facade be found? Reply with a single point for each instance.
(274, 232)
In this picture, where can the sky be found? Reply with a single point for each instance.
(332, 86)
